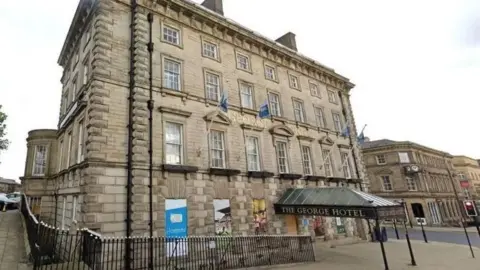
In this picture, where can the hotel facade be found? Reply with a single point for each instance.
(139, 128)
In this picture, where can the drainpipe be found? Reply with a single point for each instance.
(150, 136)
(128, 221)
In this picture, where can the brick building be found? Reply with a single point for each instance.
(467, 171)
(419, 175)
(94, 170)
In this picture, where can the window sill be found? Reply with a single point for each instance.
(289, 176)
(314, 177)
(279, 119)
(260, 174)
(223, 172)
(302, 124)
(173, 92)
(179, 168)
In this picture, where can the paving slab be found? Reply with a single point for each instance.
(12, 249)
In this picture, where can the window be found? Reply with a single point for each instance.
(347, 169)
(246, 93)
(74, 208)
(319, 116)
(274, 102)
(217, 149)
(171, 74)
(381, 159)
(404, 157)
(253, 156)
(332, 97)
(243, 62)
(294, 82)
(171, 35)
(210, 50)
(411, 185)
(85, 72)
(65, 102)
(63, 212)
(173, 143)
(270, 73)
(314, 90)
(77, 57)
(88, 35)
(281, 151)
(327, 163)
(69, 150)
(60, 156)
(298, 111)
(307, 160)
(337, 123)
(40, 160)
(81, 142)
(386, 183)
(212, 86)
(74, 89)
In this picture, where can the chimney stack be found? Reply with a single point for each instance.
(214, 5)
(287, 40)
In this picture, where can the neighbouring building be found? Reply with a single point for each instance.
(8, 185)
(467, 172)
(420, 176)
(94, 169)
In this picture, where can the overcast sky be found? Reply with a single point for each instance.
(416, 64)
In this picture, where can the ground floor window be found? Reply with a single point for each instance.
(319, 226)
(340, 224)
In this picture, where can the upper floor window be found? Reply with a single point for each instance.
(411, 185)
(314, 91)
(332, 97)
(274, 102)
(60, 156)
(171, 35)
(404, 157)
(270, 73)
(243, 62)
(387, 183)
(347, 169)
(217, 149)
(210, 50)
(327, 163)
(337, 122)
(81, 142)
(294, 82)
(307, 160)
(172, 74)
(319, 116)
(74, 89)
(77, 58)
(253, 154)
(40, 160)
(212, 86)
(69, 150)
(246, 93)
(381, 159)
(282, 156)
(173, 143)
(85, 71)
(88, 35)
(65, 102)
(298, 111)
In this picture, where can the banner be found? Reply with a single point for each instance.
(259, 215)
(223, 217)
(176, 220)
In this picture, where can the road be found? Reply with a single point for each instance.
(454, 237)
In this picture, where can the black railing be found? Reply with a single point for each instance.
(52, 248)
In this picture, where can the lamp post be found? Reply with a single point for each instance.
(410, 250)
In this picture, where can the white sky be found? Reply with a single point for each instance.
(416, 64)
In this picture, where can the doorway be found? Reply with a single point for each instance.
(292, 226)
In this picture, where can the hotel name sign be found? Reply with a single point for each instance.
(348, 212)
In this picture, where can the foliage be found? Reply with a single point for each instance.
(3, 130)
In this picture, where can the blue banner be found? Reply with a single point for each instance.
(176, 227)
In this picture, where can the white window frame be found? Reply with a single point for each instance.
(219, 136)
(314, 90)
(81, 141)
(253, 157)
(88, 35)
(60, 155)
(320, 118)
(332, 97)
(337, 121)
(168, 35)
(69, 149)
(85, 71)
(387, 184)
(39, 165)
(178, 145)
(65, 101)
(270, 73)
(74, 208)
(282, 147)
(346, 166)
(210, 50)
(246, 95)
(379, 159)
(212, 88)
(239, 62)
(275, 107)
(403, 157)
(299, 111)
(168, 75)
(74, 89)
(306, 159)
(294, 82)
(77, 58)
(63, 212)
(411, 183)
(327, 162)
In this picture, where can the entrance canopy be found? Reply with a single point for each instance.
(337, 202)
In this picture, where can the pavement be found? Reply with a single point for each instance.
(12, 249)
(447, 235)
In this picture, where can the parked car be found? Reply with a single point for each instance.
(6, 203)
(15, 196)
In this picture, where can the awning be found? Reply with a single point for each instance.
(337, 202)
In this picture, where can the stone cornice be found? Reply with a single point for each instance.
(243, 37)
(406, 145)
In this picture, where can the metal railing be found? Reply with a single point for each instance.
(53, 248)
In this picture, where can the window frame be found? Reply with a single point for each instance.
(45, 160)
(286, 157)
(274, 72)
(294, 78)
(382, 157)
(258, 154)
(346, 166)
(74, 208)
(86, 70)
(182, 141)
(252, 94)
(64, 208)
(279, 103)
(382, 177)
(404, 154)
(60, 156)
(69, 148)
(302, 110)
(81, 141)
(318, 94)
(323, 124)
(167, 26)
(332, 97)
(237, 62)
(328, 153)
(206, 73)
(215, 45)
(308, 166)
(223, 150)
(411, 181)
(74, 89)
(340, 127)
(165, 59)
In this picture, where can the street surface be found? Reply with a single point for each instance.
(12, 249)
(445, 235)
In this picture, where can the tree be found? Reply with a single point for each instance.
(3, 130)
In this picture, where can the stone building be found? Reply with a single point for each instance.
(8, 185)
(467, 172)
(419, 175)
(170, 68)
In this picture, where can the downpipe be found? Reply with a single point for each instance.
(150, 105)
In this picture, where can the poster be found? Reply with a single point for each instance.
(318, 226)
(259, 215)
(223, 217)
(340, 225)
(176, 221)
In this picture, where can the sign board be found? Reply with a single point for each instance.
(464, 184)
(176, 221)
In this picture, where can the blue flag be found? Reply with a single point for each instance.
(361, 136)
(346, 131)
(223, 105)
(264, 111)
